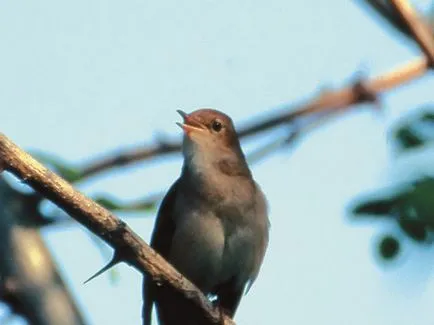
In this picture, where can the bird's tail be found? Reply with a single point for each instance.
(173, 309)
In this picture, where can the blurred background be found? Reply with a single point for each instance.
(349, 195)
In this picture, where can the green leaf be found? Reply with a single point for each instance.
(419, 203)
(408, 139)
(428, 117)
(59, 166)
(113, 204)
(389, 247)
(407, 132)
(414, 229)
(108, 203)
(375, 206)
(411, 205)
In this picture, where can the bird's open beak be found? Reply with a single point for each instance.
(190, 124)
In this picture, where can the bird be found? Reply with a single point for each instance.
(212, 224)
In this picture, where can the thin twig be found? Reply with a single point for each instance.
(128, 157)
(105, 225)
(419, 29)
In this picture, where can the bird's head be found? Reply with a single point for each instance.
(209, 136)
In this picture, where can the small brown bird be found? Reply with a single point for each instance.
(212, 224)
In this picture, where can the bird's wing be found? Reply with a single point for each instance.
(229, 293)
(264, 224)
(161, 241)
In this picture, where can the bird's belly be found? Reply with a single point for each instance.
(209, 255)
(197, 250)
(238, 256)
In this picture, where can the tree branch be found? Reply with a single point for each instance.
(127, 157)
(328, 102)
(30, 283)
(101, 222)
(419, 29)
(389, 14)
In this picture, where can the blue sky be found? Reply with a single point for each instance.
(82, 78)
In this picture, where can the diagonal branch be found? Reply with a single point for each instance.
(105, 225)
(329, 102)
(389, 14)
(419, 29)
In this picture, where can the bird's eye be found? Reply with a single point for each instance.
(216, 126)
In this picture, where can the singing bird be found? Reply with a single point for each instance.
(212, 225)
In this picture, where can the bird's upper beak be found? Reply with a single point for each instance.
(190, 124)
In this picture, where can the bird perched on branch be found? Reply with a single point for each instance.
(212, 225)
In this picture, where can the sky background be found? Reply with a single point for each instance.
(79, 79)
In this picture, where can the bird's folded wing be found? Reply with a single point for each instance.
(161, 241)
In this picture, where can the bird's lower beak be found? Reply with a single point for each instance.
(190, 124)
